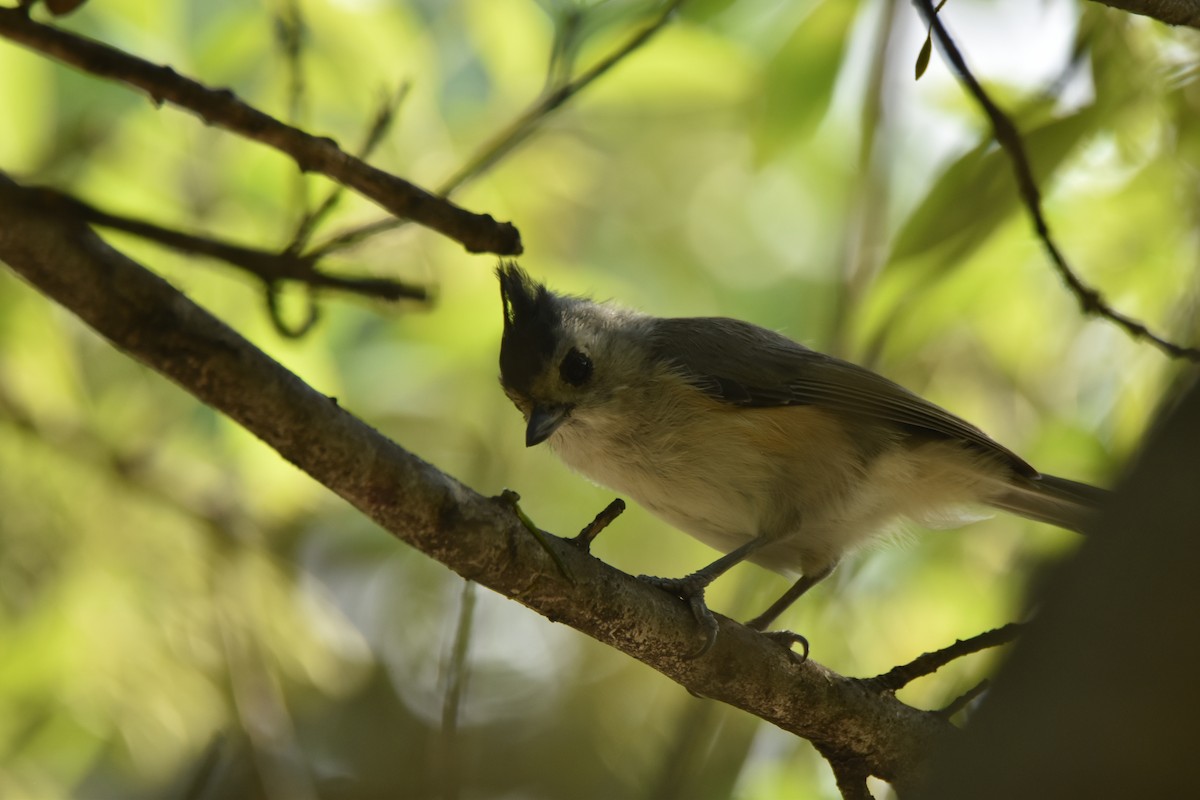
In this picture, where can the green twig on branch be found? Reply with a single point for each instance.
(517, 131)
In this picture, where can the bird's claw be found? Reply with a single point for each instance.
(690, 589)
(786, 640)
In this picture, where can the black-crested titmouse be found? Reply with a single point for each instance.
(754, 444)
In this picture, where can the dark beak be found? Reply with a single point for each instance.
(543, 422)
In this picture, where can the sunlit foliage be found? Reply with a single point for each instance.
(183, 614)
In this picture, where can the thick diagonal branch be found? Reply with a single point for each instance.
(477, 537)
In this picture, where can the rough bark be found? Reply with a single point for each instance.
(478, 537)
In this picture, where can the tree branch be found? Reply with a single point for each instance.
(523, 126)
(1007, 136)
(1172, 12)
(1099, 696)
(518, 130)
(479, 233)
(477, 537)
(965, 699)
(851, 775)
(929, 663)
(266, 265)
(384, 116)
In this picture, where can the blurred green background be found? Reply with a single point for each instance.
(185, 615)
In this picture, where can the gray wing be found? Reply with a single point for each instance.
(745, 365)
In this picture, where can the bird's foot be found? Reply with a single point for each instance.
(787, 640)
(691, 589)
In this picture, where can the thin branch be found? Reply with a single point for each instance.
(523, 126)
(477, 537)
(355, 235)
(517, 131)
(1007, 136)
(446, 767)
(384, 118)
(255, 689)
(605, 518)
(965, 699)
(270, 267)
(870, 353)
(479, 233)
(290, 29)
(929, 663)
(851, 775)
(312, 313)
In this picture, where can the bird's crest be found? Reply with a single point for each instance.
(532, 325)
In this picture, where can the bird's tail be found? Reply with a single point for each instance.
(1058, 501)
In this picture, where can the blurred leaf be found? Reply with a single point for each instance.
(704, 10)
(927, 47)
(923, 56)
(978, 191)
(799, 79)
(149, 549)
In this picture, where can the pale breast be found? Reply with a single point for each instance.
(723, 474)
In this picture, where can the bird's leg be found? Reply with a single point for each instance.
(787, 638)
(793, 594)
(691, 588)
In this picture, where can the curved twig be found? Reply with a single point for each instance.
(1007, 136)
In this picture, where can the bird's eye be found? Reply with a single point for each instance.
(576, 368)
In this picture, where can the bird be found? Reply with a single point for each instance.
(762, 448)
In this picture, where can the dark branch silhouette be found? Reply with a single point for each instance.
(479, 233)
(1007, 136)
(929, 663)
(271, 267)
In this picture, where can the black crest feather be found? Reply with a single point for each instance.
(532, 325)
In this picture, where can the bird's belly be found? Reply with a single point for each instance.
(788, 475)
(692, 483)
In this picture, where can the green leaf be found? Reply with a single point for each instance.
(976, 193)
(799, 79)
(923, 57)
(927, 48)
